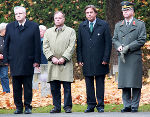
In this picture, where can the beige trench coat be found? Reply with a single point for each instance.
(60, 44)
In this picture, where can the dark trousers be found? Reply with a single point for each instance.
(131, 97)
(90, 91)
(26, 82)
(56, 93)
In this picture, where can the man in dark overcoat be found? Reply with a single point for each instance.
(93, 53)
(129, 37)
(22, 52)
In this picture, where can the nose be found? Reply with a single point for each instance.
(89, 14)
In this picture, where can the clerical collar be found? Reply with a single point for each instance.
(129, 21)
(22, 23)
(92, 22)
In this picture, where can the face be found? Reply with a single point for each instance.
(128, 13)
(59, 19)
(90, 14)
(3, 32)
(20, 15)
(42, 33)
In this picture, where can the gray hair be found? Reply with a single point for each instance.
(3, 26)
(90, 6)
(59, 12)
(42, 27)
(20, 7)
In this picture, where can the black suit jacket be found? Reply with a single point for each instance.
(94, 48)
(22, 47)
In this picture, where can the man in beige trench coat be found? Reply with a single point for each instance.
(129, 37)
(58, 47)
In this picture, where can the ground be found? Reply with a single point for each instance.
(112, 95)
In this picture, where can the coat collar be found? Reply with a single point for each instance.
(27, 23)
(62, 29)
(86, 25)
(133, 23)
(123, 27)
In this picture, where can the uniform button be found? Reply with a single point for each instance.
(90, 39)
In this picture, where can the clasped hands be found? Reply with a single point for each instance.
(123, 50)
(56, 61)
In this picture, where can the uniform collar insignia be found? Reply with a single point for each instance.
(134, 23)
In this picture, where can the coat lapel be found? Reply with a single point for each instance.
(26, 25)
(86, 25)
(123, 28)
(133, 26)
(126, 30)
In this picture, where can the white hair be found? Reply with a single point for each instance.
(3, 26)
(42, 27)
(20, 7)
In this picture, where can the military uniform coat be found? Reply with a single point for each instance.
(22, 47)
(130, 72)
(59, 44)
(94, 47)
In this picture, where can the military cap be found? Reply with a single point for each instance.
(126, 5)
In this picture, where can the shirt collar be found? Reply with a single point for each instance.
(129, 21)
(92, 22)
(60, 28)
(22, 23)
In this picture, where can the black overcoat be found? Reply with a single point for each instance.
(94, 48)
(22, 47)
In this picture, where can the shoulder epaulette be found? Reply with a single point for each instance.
(140, 20)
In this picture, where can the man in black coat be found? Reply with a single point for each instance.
(22, 52)
(93, 53)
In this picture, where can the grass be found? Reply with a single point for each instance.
(79, 108)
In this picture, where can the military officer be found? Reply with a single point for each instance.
(129, 37)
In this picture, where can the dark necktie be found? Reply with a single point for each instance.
(21, 27)
(128, 24)
(91, 26)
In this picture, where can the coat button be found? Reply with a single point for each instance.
(90, 39)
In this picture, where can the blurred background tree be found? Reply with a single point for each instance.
(42, 11)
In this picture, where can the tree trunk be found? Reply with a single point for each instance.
(113, 15)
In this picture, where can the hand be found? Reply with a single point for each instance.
(104, 63)
(1, 56)
(6, 64)
(81, 64)
(55, 60)
(125, 49)
(120, 48)
(61, 61)
(35, 65)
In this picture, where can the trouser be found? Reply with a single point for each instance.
(4, 78)
(90, 91)
(26, 81)
(131, 97)
(56, 93)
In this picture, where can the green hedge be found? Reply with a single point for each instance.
(42, 11)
